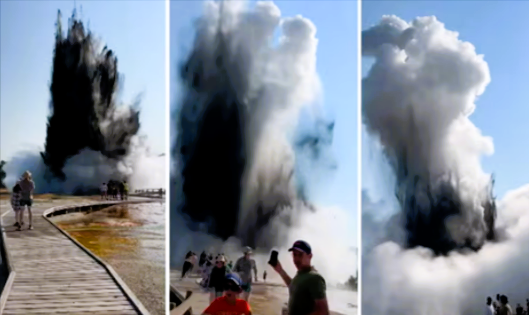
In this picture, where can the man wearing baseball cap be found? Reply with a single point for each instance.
(244, 267)
(307, 289)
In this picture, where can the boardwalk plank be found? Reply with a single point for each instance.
(55, 304)
(63, 310)
(55, 276)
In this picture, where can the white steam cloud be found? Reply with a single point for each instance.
(275, 81)
(425, 76)
(89, 169)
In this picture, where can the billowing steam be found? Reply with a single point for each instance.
(417, 99)
(90, 139)
(241, 156)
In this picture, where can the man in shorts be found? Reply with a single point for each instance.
(307, 290)
(27, 186)
(125, 193)
(244, 267)
(104, 190)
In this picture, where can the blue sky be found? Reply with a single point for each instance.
(497, 29)
(134, 30)
(336, 25)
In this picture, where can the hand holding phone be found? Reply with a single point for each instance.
(273, 258)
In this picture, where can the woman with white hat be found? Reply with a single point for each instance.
(217, 279)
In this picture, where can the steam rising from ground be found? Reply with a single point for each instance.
(90, 139)
(86, 171)
(238, 179)
(417, 101)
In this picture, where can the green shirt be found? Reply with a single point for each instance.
(306, 287)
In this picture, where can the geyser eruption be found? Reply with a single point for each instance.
(241, 100)
(83, 109)
(90, 138)
(417, 99)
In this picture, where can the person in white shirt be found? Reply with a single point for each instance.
(194, 259)
(104, 189)
(489, 309)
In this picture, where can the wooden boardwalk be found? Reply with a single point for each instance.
(54, 275)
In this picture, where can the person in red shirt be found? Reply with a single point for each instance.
(229, 304)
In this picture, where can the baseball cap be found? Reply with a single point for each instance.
(234, 278)
(247, 250)
(301, 246)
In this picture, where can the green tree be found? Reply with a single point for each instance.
(2, 174)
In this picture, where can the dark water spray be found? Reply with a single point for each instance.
(232, 178)
(83, 111)
(213, 159)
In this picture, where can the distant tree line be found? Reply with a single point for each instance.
(352, 283)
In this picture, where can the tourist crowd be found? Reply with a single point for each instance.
(501, 306)
(114, 190)
(227, 281)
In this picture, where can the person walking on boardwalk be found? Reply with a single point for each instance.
(16, 195)
(505, 308)
(489, 308)
(307, 290)
(110, 189)
(27, 187)
(217, 278)
(104, 190)
(208, 266)
(244, 267)
(121, 187)
(115, 190)
(188, 264)
(202, 259)
(125, 193)
(229, 304)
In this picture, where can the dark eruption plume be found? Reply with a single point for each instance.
(232, 99)
(426, 222)
(83, 107)
(416, 101)
(213, 156)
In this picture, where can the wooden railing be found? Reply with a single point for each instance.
(181, 305)
(160, 193)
